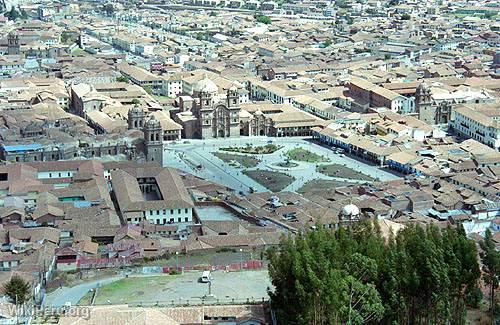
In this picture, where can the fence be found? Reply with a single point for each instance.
(197, 302)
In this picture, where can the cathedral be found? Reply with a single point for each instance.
(208, 114)
(428, 110)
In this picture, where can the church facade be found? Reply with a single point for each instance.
(209, 114)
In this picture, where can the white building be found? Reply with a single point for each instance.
(479, 122)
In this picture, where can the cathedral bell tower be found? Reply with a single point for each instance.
(423, 104)
(233, 105)
(136, 118)
(153, 140)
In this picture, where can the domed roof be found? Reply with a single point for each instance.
(350, 210)
(136, 109)
(152, 122)
(205, 85)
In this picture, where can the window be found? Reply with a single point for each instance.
(186, 219)
(50, 174)
(179, 219)
(171, 211)
(171, 219)
(157, 212)
(186, 210)
(179, 211)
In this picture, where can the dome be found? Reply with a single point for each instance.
(205, 85)
(152, 122)
(136, 109)
(350, 210)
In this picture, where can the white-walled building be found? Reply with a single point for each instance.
(154, 194)
(479, 122)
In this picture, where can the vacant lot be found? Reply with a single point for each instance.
(243, 160)
(273, 181)
(321, 185)
(335, 170)
(300, 154)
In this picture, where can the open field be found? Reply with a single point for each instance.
(273, 181)
(184, 288)
(341, 171)
(243, 160)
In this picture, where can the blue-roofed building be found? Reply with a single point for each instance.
(19, 152)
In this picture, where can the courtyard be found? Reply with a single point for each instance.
(270, 164)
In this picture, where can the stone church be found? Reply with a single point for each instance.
(208, 114)
(428, 110)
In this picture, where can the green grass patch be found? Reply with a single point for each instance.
(273, 181)
(336, 170)
(129, 289)
(300, 154)
(319, 185)
(243, 160)
(256, 150)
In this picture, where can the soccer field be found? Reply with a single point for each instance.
(185, 288)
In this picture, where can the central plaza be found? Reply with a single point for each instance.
(295, 163)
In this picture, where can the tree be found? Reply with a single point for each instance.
(136, 101)
(122, 79)
(13, 14)
(405, 17)
(65, 36)
(17, 289)
(212, 14)
(263, 19)
(491, 260)
(24, 14)
(356, 276)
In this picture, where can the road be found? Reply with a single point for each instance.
(61, 296)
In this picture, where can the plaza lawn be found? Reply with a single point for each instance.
(319, 185)
(273, 181)
(258, 150)
(300, 154)
(336, 170)
(131, 289)
(243, 160)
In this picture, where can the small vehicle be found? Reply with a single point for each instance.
(205, 277)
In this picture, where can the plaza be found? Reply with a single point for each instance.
(199, 157)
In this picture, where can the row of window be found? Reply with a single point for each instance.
(151, 212)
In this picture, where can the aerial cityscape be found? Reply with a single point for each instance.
(249, 162)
